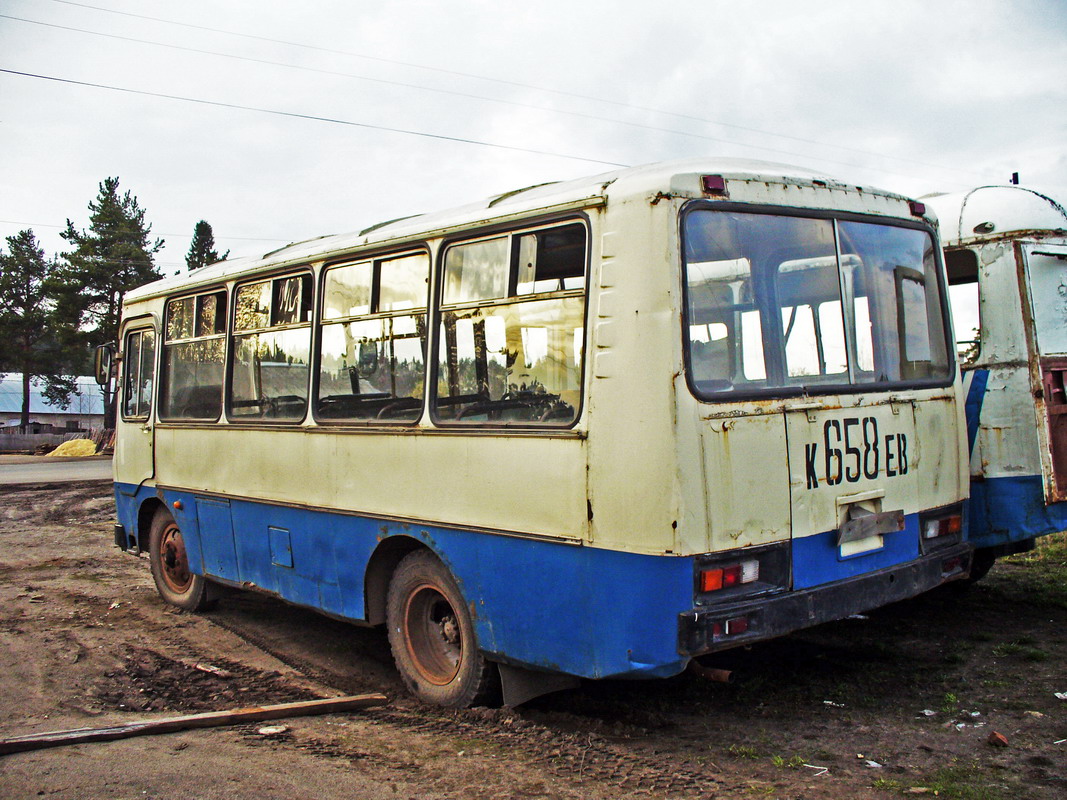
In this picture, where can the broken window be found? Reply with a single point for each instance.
(962, 268)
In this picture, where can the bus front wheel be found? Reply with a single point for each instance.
(432, 636)
(170, 566)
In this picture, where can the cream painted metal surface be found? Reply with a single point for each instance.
(1006, 249)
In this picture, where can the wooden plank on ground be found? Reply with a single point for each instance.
(211, 719)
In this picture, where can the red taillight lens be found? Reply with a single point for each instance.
(731, 576)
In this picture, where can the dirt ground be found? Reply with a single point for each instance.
(902, 701)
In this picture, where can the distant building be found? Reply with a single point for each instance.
(86, 409)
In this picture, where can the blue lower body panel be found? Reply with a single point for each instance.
(1004, 511)
(818, 560)
(536, 603)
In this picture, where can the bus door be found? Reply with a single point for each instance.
(1046, 280)
(135, 444)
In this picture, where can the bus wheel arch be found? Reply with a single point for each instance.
(145, 515)
(432, 635)
(383, 563)
(174, 580)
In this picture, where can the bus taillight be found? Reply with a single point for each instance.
(711, 580)
(944, 526)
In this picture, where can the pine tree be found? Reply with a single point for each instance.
(202, 249)
(37, 341)
(111, 258)
(108, 260)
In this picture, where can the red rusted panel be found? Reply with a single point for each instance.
(1054, 384)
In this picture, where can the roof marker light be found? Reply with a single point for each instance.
(917, 209)
(713, 184)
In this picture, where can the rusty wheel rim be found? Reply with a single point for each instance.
(173, 560)
(433, 636)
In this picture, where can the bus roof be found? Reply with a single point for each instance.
(679, 177)
(995, 212)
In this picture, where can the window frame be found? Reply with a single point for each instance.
(233, 335)
(813, 389)
(139, 328)
(514, 230)
(163, 376)
(320, 323)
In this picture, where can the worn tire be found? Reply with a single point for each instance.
(170, 566)
(432, 636)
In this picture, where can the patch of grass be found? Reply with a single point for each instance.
(1044, 581)
(1017, 648)
(794, 762)
(962, 782)
(887, 785)
(742, 751)
(949, 702)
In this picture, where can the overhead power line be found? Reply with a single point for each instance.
(513, 103)
(314, 118)
(532, 87)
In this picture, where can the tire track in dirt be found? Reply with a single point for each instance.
(575, 756)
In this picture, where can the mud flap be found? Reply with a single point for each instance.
(522, 685)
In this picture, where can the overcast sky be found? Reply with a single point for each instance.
(433, 104)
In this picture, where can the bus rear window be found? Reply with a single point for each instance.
(779, 302)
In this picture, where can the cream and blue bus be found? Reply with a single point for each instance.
(591, 429)
(1006, 257)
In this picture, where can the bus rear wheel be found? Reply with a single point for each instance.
(432, 636)
(170, 566)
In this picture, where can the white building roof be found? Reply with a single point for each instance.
(88, 400)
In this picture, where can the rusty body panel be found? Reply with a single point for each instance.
(1006, 252)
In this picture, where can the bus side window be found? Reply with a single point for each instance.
(193, 351)
(272, 349)
(512, 328)
(373, 348)
(963, 289)
(138, 371)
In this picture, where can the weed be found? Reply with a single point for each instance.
(1018, 648)
(742, 751)
(887, 784)
(949, 702)
(962, 782)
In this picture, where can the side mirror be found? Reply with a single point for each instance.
(103, 361)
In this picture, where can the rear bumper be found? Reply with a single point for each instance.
(705, 630)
